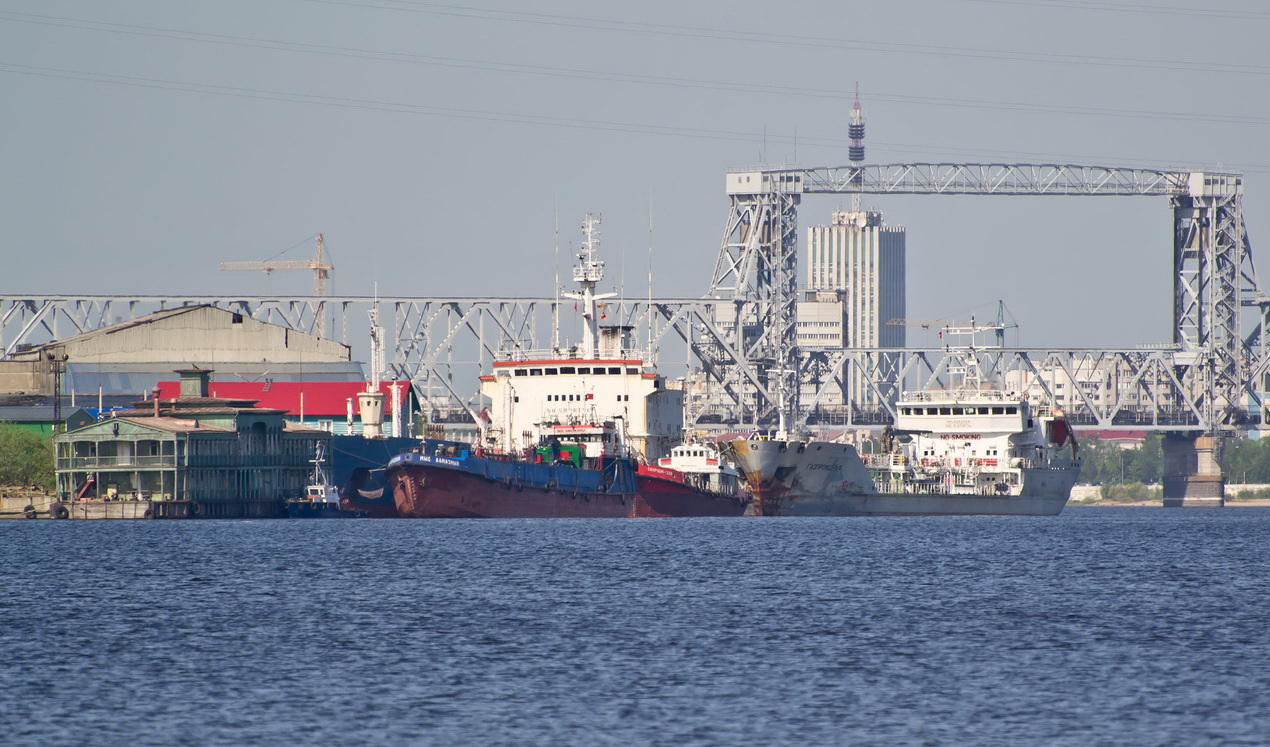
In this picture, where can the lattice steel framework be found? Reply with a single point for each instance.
(1213, 376)
(1220, 364)
(443, 344)
(757, 272)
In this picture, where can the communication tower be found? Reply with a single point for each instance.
(855, 131)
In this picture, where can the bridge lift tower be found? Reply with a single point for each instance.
(1219, 357)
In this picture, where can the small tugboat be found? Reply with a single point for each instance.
(321, 500)
(695, 480)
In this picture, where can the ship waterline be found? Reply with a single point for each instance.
(969, 452)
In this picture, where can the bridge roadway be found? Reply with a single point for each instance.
(442, 344)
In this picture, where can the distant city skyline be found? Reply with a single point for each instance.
(449, 149)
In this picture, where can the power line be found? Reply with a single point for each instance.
(1193, 12)
(631, 78)
(798, 40)
(520, 118)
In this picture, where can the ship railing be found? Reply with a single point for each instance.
(94, 462)
(885, 461)
(519, 355)
(959, 464)
(959, 395)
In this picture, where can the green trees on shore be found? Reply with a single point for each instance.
(1103, 463)
(25, 458)
(1106, 463)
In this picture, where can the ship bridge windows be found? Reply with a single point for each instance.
(568, 369)
(945, 411)
(598, 370)
(535, 372)
(615, 370)
(521, 372)
(584, 370)
(632, 370)
(551, 371)
(958, 411)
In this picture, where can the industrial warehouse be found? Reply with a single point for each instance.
(188, 412)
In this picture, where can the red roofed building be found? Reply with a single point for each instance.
(1123, 439)
(325, 405)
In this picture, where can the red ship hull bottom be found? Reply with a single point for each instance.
(668, 498)
(427, 492)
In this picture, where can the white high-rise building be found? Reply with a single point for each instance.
(861, 260)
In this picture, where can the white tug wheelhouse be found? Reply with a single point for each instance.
(702, 467)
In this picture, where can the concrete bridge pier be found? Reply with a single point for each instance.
(1192, 471)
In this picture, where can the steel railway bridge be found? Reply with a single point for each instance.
(1210, 381)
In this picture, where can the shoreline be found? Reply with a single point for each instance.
(1230, 503)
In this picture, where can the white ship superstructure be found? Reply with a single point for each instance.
(964, 450)
(977, 443)
(980, 452)
(601, 380)
(703, 467)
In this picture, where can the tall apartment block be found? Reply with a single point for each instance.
(855, 285)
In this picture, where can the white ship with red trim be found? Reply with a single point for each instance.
(589, 410)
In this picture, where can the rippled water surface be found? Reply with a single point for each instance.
(1104, 626)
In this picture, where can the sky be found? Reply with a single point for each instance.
(448, 149)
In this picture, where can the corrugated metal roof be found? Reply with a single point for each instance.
(117, 326)
(320, 398)
(175, 425)
(137, 378)
(197, 410)
(30, 414)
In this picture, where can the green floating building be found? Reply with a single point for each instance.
(187, 456)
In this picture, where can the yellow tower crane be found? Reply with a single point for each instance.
(319, 264)
(959, 328)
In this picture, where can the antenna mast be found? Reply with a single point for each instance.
(856, 132)
(588, 273)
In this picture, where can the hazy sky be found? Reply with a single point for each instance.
(435, 144)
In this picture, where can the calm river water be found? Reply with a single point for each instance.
(1104, 626)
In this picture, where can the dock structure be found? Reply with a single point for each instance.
(189, 456)
(741, 337)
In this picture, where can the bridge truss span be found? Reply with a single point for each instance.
(737, 345)
(1219, 361)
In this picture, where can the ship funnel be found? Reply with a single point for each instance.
(371, 405)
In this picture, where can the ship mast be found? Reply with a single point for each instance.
(371, 401)
(587, 273)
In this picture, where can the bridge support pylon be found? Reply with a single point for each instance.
(1192, 471)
